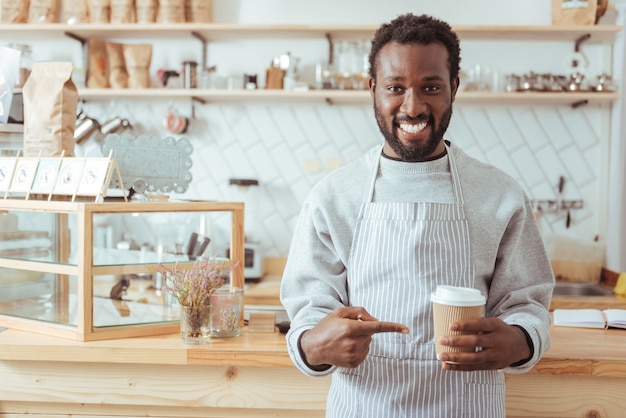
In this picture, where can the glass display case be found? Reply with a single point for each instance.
(92, 271)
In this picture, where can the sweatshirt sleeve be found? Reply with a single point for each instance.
(313, 283)
(512, 266)
(522, 284)
(298, 358)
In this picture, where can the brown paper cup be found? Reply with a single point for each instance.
(444, 315)
(452, 304)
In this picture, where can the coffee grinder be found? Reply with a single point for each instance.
(246, 190)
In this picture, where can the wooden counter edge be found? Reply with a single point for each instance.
(574, 351)
(579, 367)
(263, 350)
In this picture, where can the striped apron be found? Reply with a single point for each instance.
(400, 253)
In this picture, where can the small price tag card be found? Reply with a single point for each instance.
(25, 170)
(47, 174)
(93, 178)
(7, 167)
(69, 176)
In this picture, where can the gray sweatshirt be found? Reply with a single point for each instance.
(512, 267)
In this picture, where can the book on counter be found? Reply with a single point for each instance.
(590, 318)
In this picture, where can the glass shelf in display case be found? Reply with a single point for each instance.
(62, 275)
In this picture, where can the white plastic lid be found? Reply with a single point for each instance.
(457, 296)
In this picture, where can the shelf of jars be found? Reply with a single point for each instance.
(209, 32)
(342, 96)
(235, 31)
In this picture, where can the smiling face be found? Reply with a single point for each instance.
(413, 99)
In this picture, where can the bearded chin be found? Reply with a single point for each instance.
(418, 152)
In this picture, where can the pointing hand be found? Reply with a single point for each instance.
(343, 337)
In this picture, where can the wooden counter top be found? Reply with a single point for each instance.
(252, 376)
(261, 349)
(575, 351)
(585, 351)
(588, 302)
(266, 292)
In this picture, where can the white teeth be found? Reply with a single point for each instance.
(412, 129)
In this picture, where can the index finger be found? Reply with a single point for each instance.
(376, 327)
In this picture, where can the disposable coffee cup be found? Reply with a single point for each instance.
(450, 304)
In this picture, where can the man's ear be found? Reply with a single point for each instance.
(454, 88)
(372, 86)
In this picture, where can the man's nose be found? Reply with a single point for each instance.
(413, 104)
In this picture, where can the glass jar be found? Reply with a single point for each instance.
(195, 324)
(226, 311)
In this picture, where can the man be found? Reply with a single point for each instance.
(376, 237)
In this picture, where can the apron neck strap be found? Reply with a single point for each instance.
(456, 181)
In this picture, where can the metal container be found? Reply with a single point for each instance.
(190, 74)
(85, 127)
(114, 125)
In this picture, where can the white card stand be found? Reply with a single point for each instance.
(96, 178)
(7, 169)
(46, 177)
(58, 177)
(69, 177)
(23, 176)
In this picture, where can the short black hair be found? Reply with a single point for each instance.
(425, 30)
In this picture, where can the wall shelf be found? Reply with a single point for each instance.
(234, 31)
(208, 32)
(338, 96)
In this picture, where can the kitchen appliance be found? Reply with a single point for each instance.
(246, 190)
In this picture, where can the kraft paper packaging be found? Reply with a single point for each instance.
(50, 105)
(574, 12)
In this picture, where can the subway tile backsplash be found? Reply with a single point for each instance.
(289, 147)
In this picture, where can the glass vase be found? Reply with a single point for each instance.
(195, 324)
(226, 311)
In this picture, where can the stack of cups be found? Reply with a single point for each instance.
(452, 304)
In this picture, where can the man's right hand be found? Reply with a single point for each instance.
(343, 337)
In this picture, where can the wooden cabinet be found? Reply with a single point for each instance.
(216, 32)
(53, 260)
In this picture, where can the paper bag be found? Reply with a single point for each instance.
(574, 12)
(50, 105)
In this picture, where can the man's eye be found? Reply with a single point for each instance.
(432, 88)
(395, 89)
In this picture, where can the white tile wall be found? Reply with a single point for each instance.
(289, 147)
